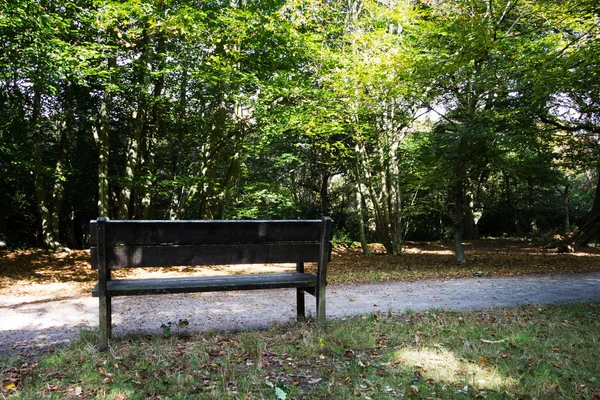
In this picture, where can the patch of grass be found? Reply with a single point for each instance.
(545, 352)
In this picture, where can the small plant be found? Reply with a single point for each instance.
(280, 390)
(180, 325)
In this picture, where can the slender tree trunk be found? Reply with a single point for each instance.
(40, 184)
(181, 125)
(197, 170)
(216, 207)
(139, 118)
(459, 196)
(65, 127)
(596, 205)
(530, 206)
(459, 220)
(3, 241)
(565, 198)
(152, 128)
(103, 143)
(324, 193)
(590, 232)
(364, 167)
(361, 219)
(148, 162)
(384, 201)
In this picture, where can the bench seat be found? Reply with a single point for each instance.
(126, 287)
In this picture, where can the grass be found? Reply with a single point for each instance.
(531, 352)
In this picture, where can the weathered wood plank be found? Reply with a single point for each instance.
(158, 256)
(300, 306)
(207, 232)
(125, 287)
(324, 254)
(104, 310)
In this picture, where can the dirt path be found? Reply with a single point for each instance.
(33, 325)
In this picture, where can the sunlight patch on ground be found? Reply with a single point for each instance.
(413, 250)
(582, 254)
(443, 366)
(216, 270)
(24, 292)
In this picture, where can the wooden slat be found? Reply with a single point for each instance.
(300, 305)
(324, 254)
(207, 232)
(104, 311)
(159, 256)
(125, 287)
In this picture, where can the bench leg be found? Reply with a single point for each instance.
(321, 305)
(300, 310)
(105, 322)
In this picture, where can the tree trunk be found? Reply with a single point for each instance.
(139, 118)
(216, 208)
(459, 197)
(565, 198)
(181, 128)
(363, 166)
(152, 128)
(323, 193)
(103, 143)
(3, 241)
(596, 205)
(66, 127)
(459, 220)
(197, 169)
(590, 232)
(361, 219)
(48, 239)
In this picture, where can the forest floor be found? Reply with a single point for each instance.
(60, 274)
(45, 297)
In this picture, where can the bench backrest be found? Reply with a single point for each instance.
(131, 244)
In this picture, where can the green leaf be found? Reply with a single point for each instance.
(280, 394)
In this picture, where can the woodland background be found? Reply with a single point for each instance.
(417, 120)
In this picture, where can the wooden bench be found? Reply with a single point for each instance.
(132, 244)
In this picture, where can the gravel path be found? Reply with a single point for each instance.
(31, 327)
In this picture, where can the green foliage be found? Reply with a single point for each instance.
(287, 109)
